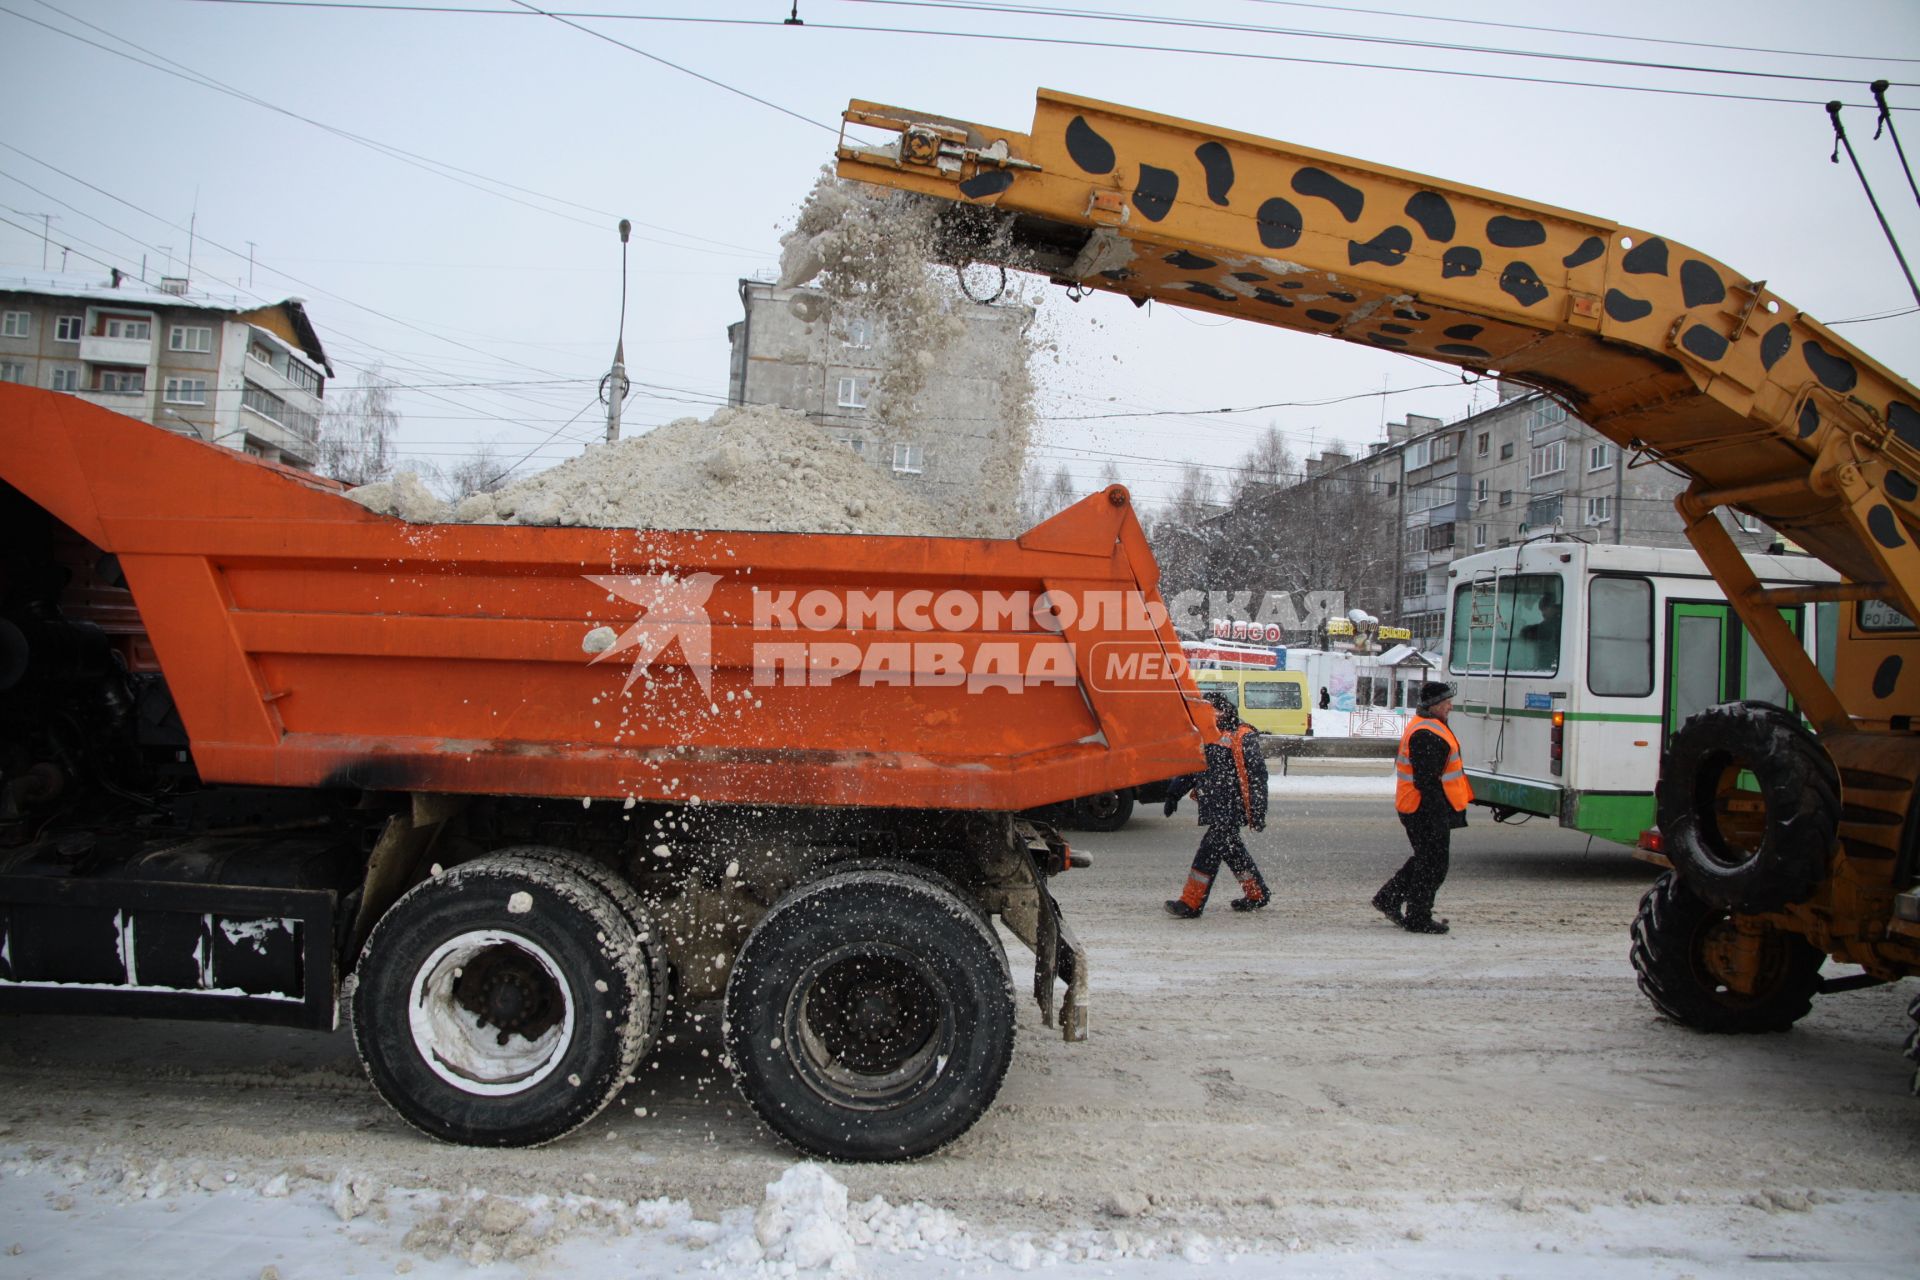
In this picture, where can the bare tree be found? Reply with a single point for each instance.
(1184, 532)
(482, 471)
(1269, 464)
(357, 431)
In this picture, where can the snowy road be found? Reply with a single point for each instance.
(1307, 1086)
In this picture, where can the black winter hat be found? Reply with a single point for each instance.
(1224, 711)
(1433, 693)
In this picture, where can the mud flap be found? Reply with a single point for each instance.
(1057, 954)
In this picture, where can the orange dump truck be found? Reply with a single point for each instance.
(507, 793)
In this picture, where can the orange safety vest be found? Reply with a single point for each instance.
(1237, 746)
(1406, 796)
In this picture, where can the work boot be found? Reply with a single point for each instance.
(1428, 925)
(1181, 911)
(1248, 904)
(1388, 907)
(1255, 891)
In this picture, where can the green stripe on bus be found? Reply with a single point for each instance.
(1534, 713)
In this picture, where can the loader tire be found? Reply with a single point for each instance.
(1674, 935)
(501, 1003)
(1103, 811)
(1748, 851)
(869, 1017)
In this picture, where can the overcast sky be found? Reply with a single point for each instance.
(442, 187)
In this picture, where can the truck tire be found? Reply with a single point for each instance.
(1103, 811)
(1913, 1043)
(931, 874)
(1673, 936)
(646, 934)
(869, 1017)
(1758, 861)
(502, 1003)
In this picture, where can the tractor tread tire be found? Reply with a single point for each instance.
(1667, 933)
(1800, 788)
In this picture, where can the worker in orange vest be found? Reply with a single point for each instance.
(1431, 794)
(1232, 794)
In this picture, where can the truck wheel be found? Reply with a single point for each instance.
(1677, 942)
(653, 957)
(869, 1017)
(1103, 811)
(502, 1003)
(1913, 1043)
(1744, 850)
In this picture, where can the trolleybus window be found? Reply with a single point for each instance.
(1620, 637)
(1525, 636)
(1227, 688)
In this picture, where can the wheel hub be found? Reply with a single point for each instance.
(503, 988)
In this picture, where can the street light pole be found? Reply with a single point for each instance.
(614, 388)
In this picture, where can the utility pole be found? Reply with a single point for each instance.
(614, 387)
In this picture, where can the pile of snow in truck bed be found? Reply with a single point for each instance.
(753, 468)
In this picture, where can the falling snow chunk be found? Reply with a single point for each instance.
(520, 903)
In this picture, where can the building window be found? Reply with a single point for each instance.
(1548, 413)
(1543, 511)
(68, 328)
(64, 378)
(1414, 584)
(257, 350)
(1599, 457)
(1506, 451)
(302, 377)
(908, 459)
(1599, 510)
(1393, 487)
(185, 391)
(12, 371)
(859, 333)
(853, 393)
(264, 402)
(16, 324)
(1485, 442)
(1549, 459)
(120, 382)
(1479, 536)
(1417, 539)
(1446, 446)
(181, 337)
(1440, 537)
(1480, 491)
(1506, 497)
(130, 327)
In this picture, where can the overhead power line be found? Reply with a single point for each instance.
(439, 168)
(814, 25)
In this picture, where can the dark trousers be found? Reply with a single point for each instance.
(1220, 843)
(1417, 881)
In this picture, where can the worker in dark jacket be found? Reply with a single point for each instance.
(1233, 794)
(1431, 794)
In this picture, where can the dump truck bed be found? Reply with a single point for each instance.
(309, 642)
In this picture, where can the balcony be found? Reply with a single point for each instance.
(96, 349)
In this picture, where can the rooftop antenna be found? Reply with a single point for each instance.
(46, 231)
(614, 388)
(1840, 140)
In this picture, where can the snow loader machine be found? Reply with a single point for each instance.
(514, 796)
(1789, 832)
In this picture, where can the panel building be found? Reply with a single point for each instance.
(238, 374)
(791, 349)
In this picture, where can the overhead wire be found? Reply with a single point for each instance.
(815, 25)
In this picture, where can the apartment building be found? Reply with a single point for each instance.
(792, 350)
(234, 373)
(1519, 469)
